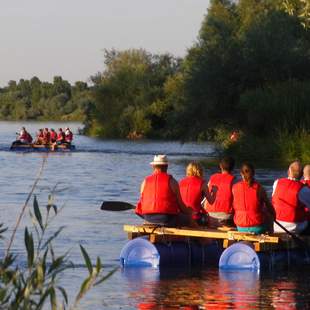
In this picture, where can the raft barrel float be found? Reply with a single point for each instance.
(156, 247)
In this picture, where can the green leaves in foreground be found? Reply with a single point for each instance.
(36, 285)
(93, 278)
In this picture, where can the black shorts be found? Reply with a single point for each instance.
(169, 220)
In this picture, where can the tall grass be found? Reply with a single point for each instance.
(281, 107)
(277, 150)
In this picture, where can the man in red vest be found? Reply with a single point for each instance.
(290, 198)
(220, 210)
(160, 201)
(306, 179)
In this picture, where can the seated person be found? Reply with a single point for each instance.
(306, 179)
(68, 135)
(193, 189)
(39, 137)
(53, 135)
(46, 136)
(220, 210)
(250, 203)
(290, 198)
(24, 136)
(160, 201)
(60, 136)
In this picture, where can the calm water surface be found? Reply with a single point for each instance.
(113, 170)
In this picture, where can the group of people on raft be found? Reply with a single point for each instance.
(46, 136)
(224, 201)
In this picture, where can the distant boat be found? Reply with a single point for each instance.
(17, 146)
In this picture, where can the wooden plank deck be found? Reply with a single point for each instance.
(232, 235)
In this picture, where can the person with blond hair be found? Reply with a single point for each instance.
(193, 190)
(290, 198)
(250, 202)
(160, 200)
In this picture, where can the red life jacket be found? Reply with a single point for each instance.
(23, 136)
(61, 136)
(157, 196)
(246, 204)
(69, 137)
(53, 136)
(29, 137)
(306, 182)
(223, 200)
(191, 194)
(46, 136)
(285, 201)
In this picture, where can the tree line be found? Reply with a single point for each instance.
(248, 69)
(36, 100)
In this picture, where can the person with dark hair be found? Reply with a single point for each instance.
(53, 135)
(250, 203)
(291, 199)
(46, 136)
(39, 137)
(220, 209)
(160, 201)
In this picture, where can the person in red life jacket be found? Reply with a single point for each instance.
(250, 203)
(220, 210)
(24, 136)
(46, 136)
(193, 189)
(53, 135)
(60, 136)
(68, 135)
(290, 198)
(160, 201)
(306, 179)
(234, 137)
(39, 137)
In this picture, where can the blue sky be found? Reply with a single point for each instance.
(67, 37)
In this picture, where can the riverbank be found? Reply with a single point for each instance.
(277, 150)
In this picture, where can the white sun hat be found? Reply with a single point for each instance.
(160, 160)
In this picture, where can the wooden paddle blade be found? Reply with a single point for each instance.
(116, 206)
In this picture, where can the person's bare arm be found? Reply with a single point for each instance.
(142, 187)
(175, 188)
(264, 198)
(210, 196)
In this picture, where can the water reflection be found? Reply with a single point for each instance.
(194, 289)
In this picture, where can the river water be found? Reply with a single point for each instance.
(113, 170)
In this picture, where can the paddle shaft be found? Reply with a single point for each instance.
(291, 234)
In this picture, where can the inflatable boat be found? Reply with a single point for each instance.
(16, 146)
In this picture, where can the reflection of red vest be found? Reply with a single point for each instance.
(190, 189)
(246, 204)
(157, 196)
(223, 200)
(285, 201)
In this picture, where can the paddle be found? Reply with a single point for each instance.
(295, 237)
(116, 206)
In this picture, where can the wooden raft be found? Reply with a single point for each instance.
(260, 242)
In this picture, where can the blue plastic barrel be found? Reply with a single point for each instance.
(139, 252)
(239, 255)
